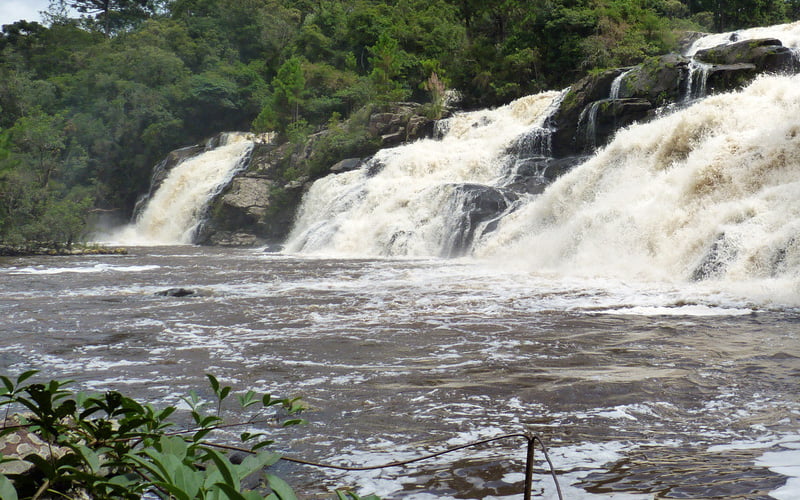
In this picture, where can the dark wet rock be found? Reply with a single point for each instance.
(724, 78)
(766, 54)
(474, 204)
(659, 80)
(533, 175)
(374, 167)
(608, 116)
(403, 123)
(588, 118)
(346, 165)
(715, 261)
(177, 292)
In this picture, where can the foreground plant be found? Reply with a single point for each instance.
(110, 446)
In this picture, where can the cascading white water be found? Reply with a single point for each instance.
(696, 80)
(711, 191)
(616, 84)
(788, 34)
(394, 206)
(173, 214)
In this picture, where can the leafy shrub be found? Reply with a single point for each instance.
(110, 446)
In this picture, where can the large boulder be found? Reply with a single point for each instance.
(475, 204)
(532, 175)
(402, 123)
(766, 54)
(589, 114)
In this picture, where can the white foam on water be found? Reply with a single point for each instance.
(96, 268)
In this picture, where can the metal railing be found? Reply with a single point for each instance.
(531, 439)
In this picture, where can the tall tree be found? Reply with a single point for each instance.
(107, 11)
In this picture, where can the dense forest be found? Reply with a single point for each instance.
(89, 103)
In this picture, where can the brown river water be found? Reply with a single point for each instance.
(638, 390)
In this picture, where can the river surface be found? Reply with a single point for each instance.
(639, 390)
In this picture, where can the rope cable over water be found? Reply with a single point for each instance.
(531, 439)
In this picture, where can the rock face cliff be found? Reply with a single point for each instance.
(600, 104)
(259, 204)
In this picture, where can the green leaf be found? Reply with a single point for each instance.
(247, 399)
(173, 490)
(262, 444)
(280, 487)
(214, 383)
(190, 481)
(26, 375)
(225, 467)
(91, 458)
(230, 491)
(174, 445)
(254, 463)
(7, 490)
(9, 385)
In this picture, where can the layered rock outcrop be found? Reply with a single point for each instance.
(600, 104)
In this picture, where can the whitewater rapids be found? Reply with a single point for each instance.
(713, 187)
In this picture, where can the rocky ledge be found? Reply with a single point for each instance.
(49, 249)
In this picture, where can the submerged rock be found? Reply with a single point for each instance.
(177, 292)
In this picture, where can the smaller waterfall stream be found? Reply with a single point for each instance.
(172, 215)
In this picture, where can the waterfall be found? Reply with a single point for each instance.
(696, 80)
(711, 191)
(172, 215)
(397, 203)
(707, 191)
(616, 84)
(588, 123)
(788, 34)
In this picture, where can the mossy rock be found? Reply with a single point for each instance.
(765, 54)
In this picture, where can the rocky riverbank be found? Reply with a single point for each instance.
(49, 249)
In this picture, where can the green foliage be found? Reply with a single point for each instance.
(340, 141)
(113, 447)
(388, 62)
